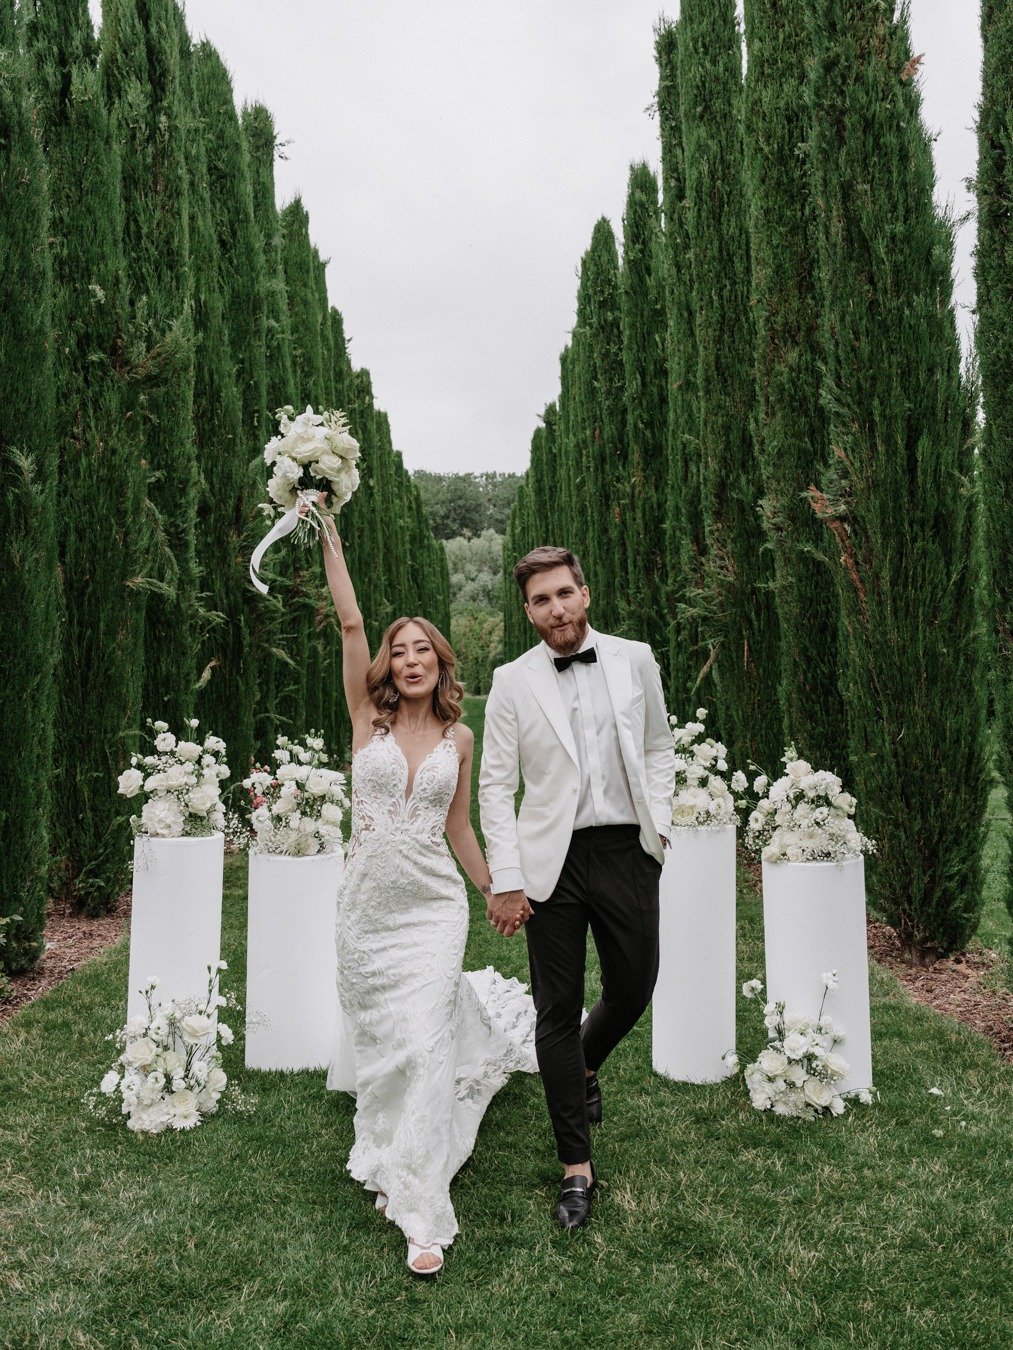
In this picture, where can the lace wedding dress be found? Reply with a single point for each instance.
(423, 1048)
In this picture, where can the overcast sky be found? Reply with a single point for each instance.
(454, 156)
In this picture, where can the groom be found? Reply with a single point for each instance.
(582, 718)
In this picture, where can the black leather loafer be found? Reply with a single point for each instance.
(593, 1100)
(574, 1206)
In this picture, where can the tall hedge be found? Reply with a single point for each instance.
(791, 423)
(994, 265)
(28, 505)
(738, 620)
(102, 481)
(141, 64)
(644, 333)
(896, 500)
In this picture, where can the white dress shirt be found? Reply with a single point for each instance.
(605, 797)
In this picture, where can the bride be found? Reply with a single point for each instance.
(422, 1048)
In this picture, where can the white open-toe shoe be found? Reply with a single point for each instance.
(415, 1251)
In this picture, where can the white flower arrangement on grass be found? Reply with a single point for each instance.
(296, 808)
(169, 1075)
(313, 452)
(799, 1071)
(804, 816)
(703, 798)
(182, 780)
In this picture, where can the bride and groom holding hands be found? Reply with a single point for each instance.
(423, 1047)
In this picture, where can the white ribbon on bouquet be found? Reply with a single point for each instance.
(288, 524)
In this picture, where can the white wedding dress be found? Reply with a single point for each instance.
(422, 1047)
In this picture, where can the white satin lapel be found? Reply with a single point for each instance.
(615, 665)
(544, 684)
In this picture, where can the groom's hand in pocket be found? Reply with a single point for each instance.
(507, 911)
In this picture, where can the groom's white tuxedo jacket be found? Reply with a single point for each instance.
(527, 731)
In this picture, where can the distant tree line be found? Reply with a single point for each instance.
(763, 446)
(156, 309)
(466, 503)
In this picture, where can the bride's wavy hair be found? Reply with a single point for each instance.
(382, 690)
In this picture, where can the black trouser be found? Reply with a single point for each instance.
(609, 882)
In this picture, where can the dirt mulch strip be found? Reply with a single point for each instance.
(958, 986)
(71, 940)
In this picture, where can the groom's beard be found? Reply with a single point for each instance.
(566, 638)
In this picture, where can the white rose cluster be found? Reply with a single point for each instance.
(312, 451)
(702, 798)
(805, 816)
(169, 1074)
(182, 781)
(296, 807)
(799, 1071)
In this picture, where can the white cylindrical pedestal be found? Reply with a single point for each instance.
(291, 966)
(694, 999)
(175, 917)
(814, 921)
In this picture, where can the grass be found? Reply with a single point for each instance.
(714, 1226)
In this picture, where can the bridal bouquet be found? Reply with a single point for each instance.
(799, 1071)
(182, 780)
(296, 807)
(702, 796)
(169, 1072)
(805, 816)
(312, 453)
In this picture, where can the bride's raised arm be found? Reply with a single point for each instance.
(355, 659)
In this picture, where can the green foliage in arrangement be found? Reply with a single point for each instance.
(737, 616)
(790, 422)
(683, 521)
(228, 696)
(644, 334)
(897, 500)
(102, 481)
(994, 266)
(142, 53)
(29, 608)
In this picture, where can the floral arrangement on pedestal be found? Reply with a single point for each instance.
(296, 807)
(804, 816)
(169, 1075)
(182, 780)
(703, 798)
(798, 1072)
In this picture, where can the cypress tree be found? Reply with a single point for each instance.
(268, 619)
(644, 325)
(896, 499)
(737, 613)
(141, 48)
(684, 537)
(102, 482)
(28, 505)
(994, 266)
(228, 699)
(790, 424)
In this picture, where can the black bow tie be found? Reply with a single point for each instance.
(586, 658)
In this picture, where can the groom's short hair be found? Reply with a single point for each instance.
(544, 560)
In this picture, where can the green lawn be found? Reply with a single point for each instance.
(714, 1226)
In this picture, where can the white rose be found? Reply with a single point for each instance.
(109, 1083)
(795, 1074)
(189, 751)
(837, 1106)
(184, 1111)
(177, 776)
(172, 1062)
(261, 818)
(148, 1119)
(288, 773)
(772, 1062)
(317, 784)
(330, 813)
(140, 1053)
(195, 1027)
(130, 782)
(797, 769)
(835, 1065)
(284, 805)
(217, 1080)
(226, 1034)
(214, 743)
(160, 726)
(201, 800)
(162, 818)
(795, 1045)
(165, 742)
(155, 782)
(817, 1093)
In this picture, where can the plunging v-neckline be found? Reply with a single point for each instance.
(409, 791)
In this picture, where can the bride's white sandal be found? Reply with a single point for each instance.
(381, 1204)
(415, 1251)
